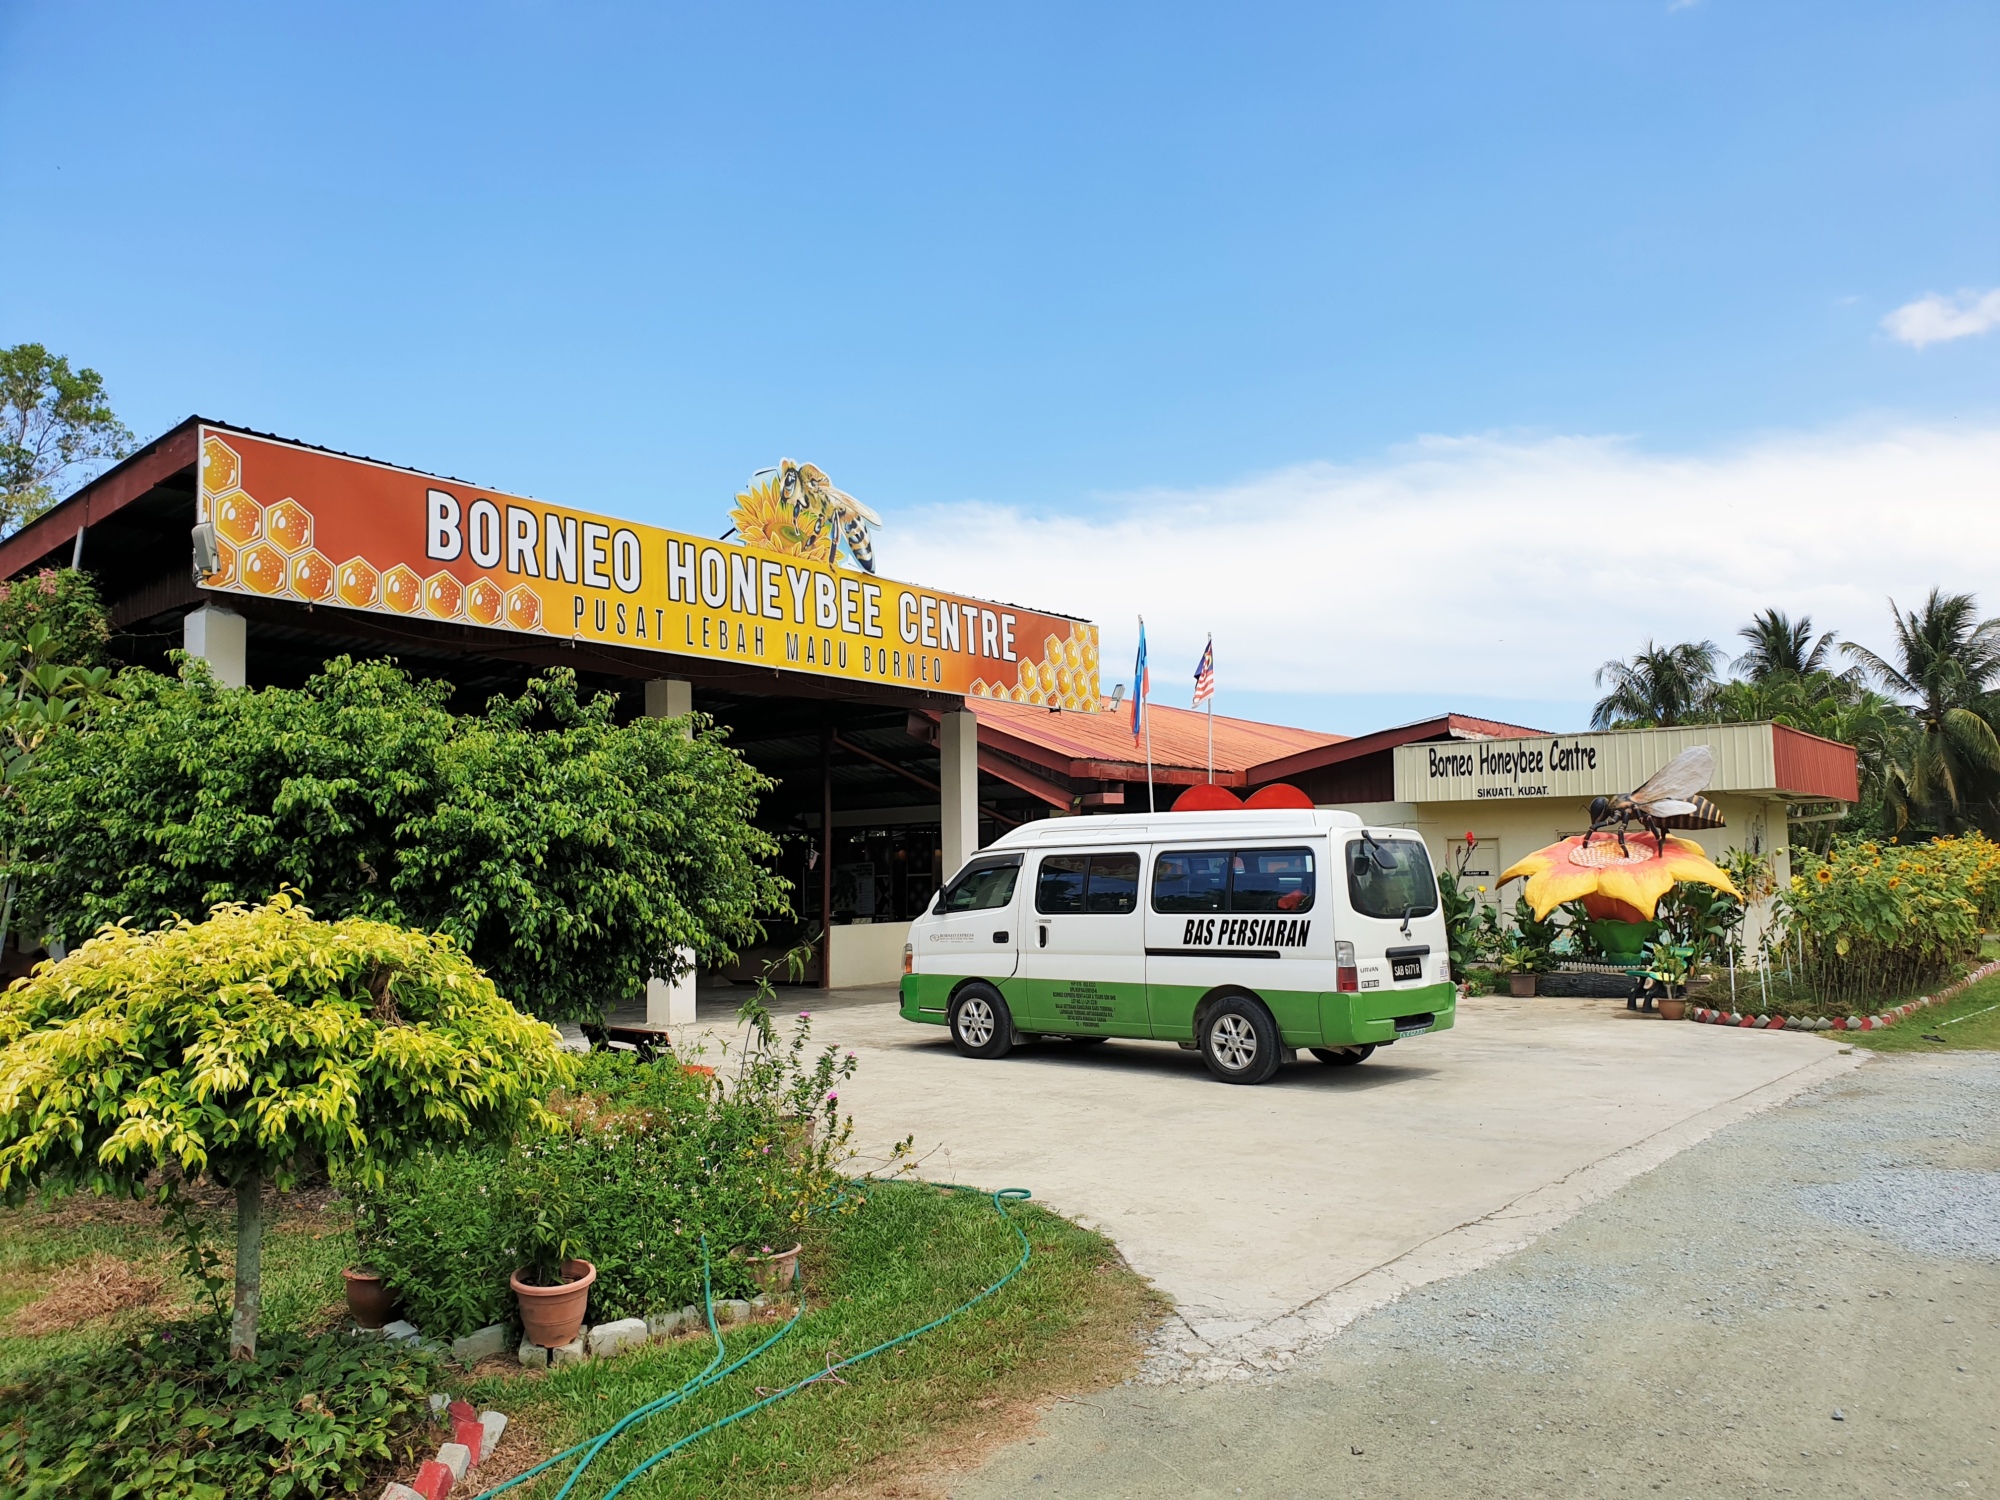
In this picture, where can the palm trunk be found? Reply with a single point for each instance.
(249, 1267)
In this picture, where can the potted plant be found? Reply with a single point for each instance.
(1523, 963)
(553, 1288)
(1669, 964)
(774, 1271)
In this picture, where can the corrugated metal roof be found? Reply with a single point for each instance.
(1180, 737)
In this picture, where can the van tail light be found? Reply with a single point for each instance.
(909, 958)
(1349, 976)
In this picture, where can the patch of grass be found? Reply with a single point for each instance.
(1971, 1023)
(309, 1240)
(1072, 1321)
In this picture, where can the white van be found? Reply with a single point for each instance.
(1243, 933)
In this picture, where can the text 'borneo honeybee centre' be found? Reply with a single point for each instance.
(292, 522)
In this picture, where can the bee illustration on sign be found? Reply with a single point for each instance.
(1668, 799)
(795, 509)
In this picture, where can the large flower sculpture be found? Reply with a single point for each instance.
(1624, 884)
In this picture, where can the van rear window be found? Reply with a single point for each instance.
(1233, 880)
(1391, 878)
(1105, 883)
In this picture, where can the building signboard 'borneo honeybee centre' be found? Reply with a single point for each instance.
(303, 525)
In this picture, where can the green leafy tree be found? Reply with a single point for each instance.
(65, 600)
(570, 855)
(1946, 662)
(55, 425)
(239, 1048)
(1660, 687)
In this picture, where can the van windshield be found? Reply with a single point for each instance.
(1391, 878)
(981, 886)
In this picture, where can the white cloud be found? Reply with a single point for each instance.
(1933, 319)
(1479, 565)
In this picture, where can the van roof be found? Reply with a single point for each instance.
(1118, 828)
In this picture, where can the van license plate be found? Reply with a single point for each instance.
(1406, 968)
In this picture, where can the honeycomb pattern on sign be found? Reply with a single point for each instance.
(225, 565)
(221, 469)
(444, 596)
(358, 583)
(238, 518)
(312, 576)
(485, 602)
(1064, 677)
(289, 524)
(402, 589)
(263, 569)
(268, 549)
(524, 609)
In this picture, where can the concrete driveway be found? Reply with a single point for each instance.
(1275, 1215)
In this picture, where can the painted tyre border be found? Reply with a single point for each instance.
(1708, 1017)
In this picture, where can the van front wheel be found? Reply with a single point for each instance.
(1239, 1041)
(981, 1024)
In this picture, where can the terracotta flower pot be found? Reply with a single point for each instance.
(774, 1272)
(368, 1299)
(1521, 986)
(1674, 1010)
(553, 1315)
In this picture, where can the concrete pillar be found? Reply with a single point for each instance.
(958, 785)
(669, 698)
(671, 1004)
(217, 636)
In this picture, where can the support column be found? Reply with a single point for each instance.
(826, 857)
(218, 637)
(671, 1003)
(958, 788)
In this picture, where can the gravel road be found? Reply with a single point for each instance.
(1806, 1303)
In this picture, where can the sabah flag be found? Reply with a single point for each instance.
(1142, 683)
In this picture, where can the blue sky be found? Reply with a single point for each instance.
(1081, 265)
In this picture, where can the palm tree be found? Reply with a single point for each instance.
(1947, 660)
(1781, 647)
(1661, 686)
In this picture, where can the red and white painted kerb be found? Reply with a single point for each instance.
(1842, 1023)
(474, 1436)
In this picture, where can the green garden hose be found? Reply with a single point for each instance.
(716, 1370)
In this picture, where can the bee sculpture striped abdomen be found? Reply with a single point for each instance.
(1668, 799)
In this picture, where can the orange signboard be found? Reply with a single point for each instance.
(299, 524)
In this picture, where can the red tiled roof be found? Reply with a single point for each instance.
(1100, 746)
(1444, 726)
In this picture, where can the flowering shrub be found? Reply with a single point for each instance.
(645, 1159)
(1872, 920)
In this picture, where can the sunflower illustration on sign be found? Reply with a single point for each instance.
(795, 510)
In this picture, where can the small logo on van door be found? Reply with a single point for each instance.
(1246, 932)
(951, 937)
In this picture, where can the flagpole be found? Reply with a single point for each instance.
(1211, 739)
(1147, 719)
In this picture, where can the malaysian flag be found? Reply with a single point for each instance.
(1204, 674)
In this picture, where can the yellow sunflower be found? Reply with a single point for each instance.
(1612, 882)
(763, 519)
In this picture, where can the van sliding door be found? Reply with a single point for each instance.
(1082, 947)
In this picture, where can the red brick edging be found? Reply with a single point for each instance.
(1842, 1023)
(474, 1436)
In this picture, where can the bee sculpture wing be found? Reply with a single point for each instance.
(1676, 781)
(849, 506)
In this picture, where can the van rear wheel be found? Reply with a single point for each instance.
(981, 1024)
(1239, 1041)
(1344, 1057)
